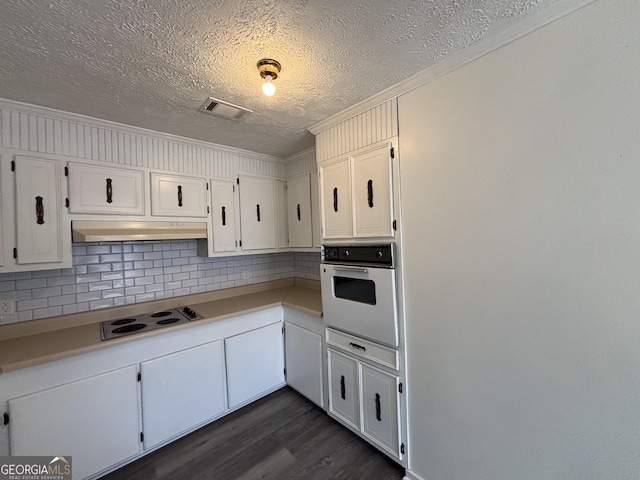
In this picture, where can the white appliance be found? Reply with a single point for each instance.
(359, 291)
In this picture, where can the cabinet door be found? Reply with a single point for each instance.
(372, 193)
(344, 392)
(336, 199)
(257, 213)
(303, 359)
(39, 217)
(380, 415)
(95, 189)
(94, 420)
(299, 211)
(255, 363)
(175, 196)
(282, 222)
(223, 218)
(181, 390)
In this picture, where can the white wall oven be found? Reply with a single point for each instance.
(359, 291)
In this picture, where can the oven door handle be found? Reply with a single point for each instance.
(342, 268)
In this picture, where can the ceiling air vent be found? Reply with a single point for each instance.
(213, 106)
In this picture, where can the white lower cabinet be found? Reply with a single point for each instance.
(367, 399)
(181, 390)
(303, 357)
(344, 390)
(94, 420)
(255, 363)
(380, 414)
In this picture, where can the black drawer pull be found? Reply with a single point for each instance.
(224, 217)
(343, 388)
(358, 347)
(39, 211)
(335, 199)
(370, 193)
(298, 209)
(109, 191)
(378, 408)
(179, 195)
(258, 211)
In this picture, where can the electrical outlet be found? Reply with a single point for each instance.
(7, 307)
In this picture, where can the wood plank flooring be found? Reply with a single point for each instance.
(281, 436)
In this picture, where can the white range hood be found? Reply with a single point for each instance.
(107, 231)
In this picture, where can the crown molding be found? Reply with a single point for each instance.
(29, 109)
(500, 38)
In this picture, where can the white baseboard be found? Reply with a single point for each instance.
(409, 475)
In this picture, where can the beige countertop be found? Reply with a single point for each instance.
(40, 341)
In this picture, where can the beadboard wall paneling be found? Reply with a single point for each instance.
(303, 162)
(374, 125)
(120, 273)
(43, 132)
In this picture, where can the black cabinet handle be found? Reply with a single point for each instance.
(378, 413)
(370, 193)
(335, 199)
(258, 211)
(343, 389)
(358, 347)
(39, 211)
(224, 216)
(109, 191)
(298, 209)
(179, 195)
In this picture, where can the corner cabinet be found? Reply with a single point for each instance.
(299, 211)
(255, 363)
(94, 420)
(36, 227)
(106, 190)
(181, 390)
(178, 196)
(357, 193)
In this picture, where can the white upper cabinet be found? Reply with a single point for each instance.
(106, 190)
(335, 178)
(223, 220)
(299, 211)
(178, 196)
(372, 193)
(282, 227)
(357, 194)
(257, 212)
(42, 227)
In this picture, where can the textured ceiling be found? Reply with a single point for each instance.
(152, 63)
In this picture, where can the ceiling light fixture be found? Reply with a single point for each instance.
(269, 70)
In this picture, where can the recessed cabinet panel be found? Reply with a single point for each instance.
(94, 420)
(344, 398)
(38, 211)
(380, 417)
(257, 212)
(372, 195)
(255, 363)
(299, 211)
(105, 190)
(336, 199)
(223, 218)
(176, 196)
(303, 351)
(181, 390)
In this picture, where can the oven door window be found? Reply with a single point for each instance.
(355, 289)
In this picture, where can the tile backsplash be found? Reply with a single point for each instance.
(120, 273)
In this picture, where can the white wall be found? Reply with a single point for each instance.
(520, 182)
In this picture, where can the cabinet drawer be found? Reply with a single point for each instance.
(363, 348)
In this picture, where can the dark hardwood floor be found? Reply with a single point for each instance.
(281, 436)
